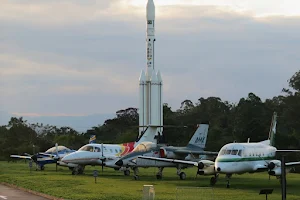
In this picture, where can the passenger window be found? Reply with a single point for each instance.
(110, 150)
(240, 153)
(116, 150)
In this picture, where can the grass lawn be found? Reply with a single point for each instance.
(113, 184)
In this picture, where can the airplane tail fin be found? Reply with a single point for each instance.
(272, 132)
(200, 136)
(149, 135)
(92, 139)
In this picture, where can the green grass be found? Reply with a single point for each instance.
(114, 185)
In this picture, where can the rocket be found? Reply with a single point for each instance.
(150, 83)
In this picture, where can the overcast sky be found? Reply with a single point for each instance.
(81, 57)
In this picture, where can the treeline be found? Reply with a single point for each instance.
(249, 118)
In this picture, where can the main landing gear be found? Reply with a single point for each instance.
(159, 173)
(126, 172)
(135, 172)
(78, 170)
(181, 174)
(39, 167)
(214, 179)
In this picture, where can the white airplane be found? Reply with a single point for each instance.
(106, 154)
(239, 158)
(193, 151)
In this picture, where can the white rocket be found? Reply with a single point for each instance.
(150, 83)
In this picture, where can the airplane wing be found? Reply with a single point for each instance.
(18, 156)
(193, 163)
(184, 151)
(286, 150)
(290, 164)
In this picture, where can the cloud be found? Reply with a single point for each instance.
(90, 63)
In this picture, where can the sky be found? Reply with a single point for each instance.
(84, 57)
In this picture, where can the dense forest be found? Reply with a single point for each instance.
(249, 118)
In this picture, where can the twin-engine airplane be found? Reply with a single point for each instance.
(239, 158)
(52, 155)
(106, 154)
(192, 151)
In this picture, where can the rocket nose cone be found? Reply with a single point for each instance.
(159, 76)
(150, 10)
(142, 76)
(154, 77)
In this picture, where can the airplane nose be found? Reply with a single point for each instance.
(119, 163)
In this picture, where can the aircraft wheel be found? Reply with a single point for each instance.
(136, 177)
(182, 176)
(127, 172)
(71, 168)
(158, 176)
(213, 181)
(42, 167)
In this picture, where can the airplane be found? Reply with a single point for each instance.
(52, 155)
(192, 151)
(239, 158)
(106, 154)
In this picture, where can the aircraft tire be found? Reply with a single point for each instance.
(42, 168)
(158, 176)
(127, 172)
(136, 177)
(182, 176)
(213, 181)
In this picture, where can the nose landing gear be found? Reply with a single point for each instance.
(228, 176)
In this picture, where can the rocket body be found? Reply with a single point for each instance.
(150, 83)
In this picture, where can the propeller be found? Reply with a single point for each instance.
(56, 150)
(102, 157)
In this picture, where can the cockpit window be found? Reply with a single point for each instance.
(97, 149)
(86, 148)
(222, 152)
(230, 152)
(234, 152)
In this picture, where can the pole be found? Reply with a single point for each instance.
(283, 178)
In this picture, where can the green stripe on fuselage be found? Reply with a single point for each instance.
(243, 159)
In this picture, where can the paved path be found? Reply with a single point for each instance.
(16, 194)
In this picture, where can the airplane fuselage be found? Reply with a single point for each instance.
(98, 154)
(238, 158)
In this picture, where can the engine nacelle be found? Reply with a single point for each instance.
(162, 152)
(275, 172)
(273, 164)
(210, 170)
